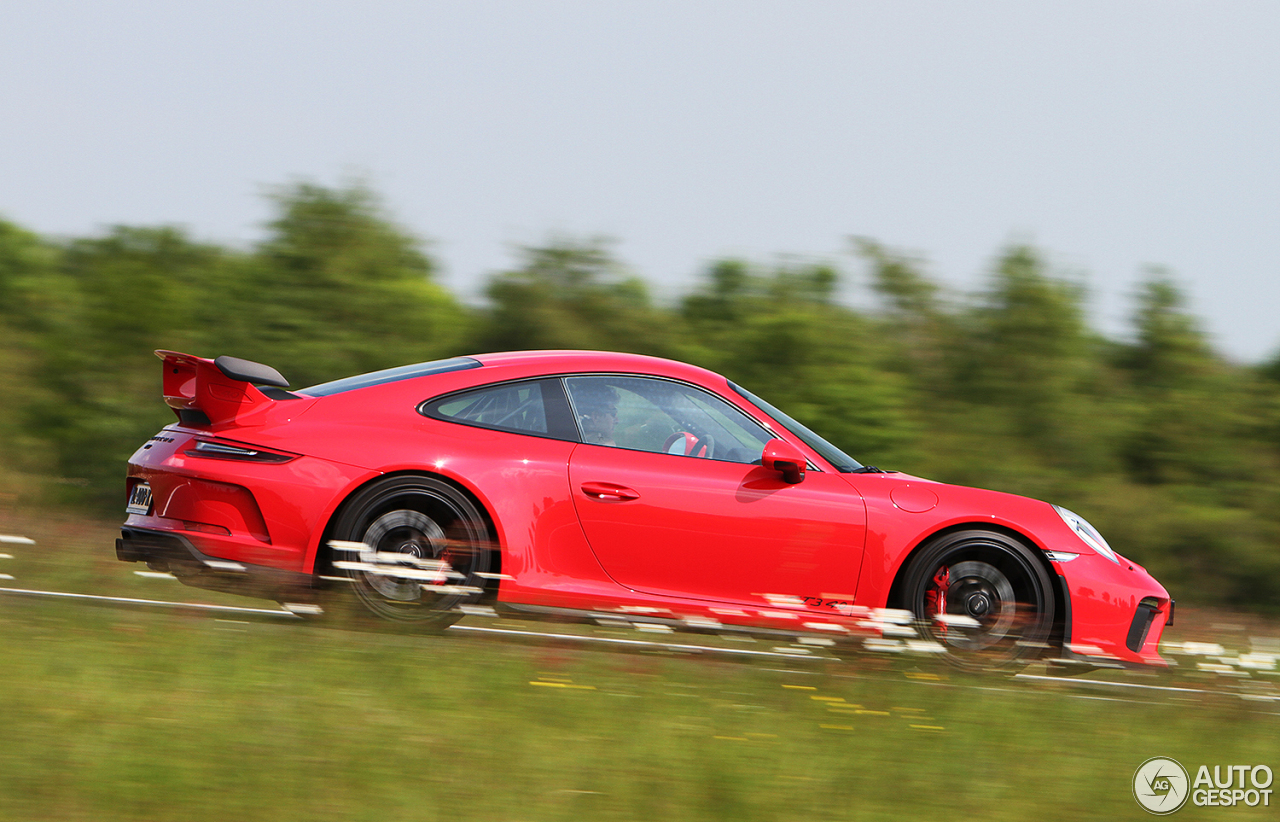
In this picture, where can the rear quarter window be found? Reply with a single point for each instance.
(536, 407)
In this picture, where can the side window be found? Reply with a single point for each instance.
(536, 407)
(661, 416)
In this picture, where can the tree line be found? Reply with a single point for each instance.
(1172, 450)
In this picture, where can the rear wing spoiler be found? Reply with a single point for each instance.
(211, 392)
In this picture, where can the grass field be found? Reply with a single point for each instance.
(133, 714)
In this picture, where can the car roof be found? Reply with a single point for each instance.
(571, 361)
(480, 369)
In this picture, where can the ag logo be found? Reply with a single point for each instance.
(1161, 785)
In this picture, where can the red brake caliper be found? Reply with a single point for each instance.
(446, 564)
(935, 599)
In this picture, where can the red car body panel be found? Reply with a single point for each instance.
(589, 526)
(718, 531)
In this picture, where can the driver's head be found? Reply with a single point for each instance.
(597, 410)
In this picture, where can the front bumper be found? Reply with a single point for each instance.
(1116, 612)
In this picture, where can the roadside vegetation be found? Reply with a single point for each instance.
(119, 712)
(1169, 448)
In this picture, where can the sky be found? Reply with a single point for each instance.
(1114, 136)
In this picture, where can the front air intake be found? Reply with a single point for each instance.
(1142, 619)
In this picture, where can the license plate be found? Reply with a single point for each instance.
(140, 499)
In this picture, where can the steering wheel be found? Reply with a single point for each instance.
(688, 444)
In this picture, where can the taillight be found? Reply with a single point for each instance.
(214, 449)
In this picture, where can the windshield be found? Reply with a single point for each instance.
(843, 463)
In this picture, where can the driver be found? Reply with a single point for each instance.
(598, 412)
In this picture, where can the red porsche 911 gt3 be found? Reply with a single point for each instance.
(592, 484)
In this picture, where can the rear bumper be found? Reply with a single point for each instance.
(268, 514)
(172, 552)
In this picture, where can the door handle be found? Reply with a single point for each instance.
(609, 492)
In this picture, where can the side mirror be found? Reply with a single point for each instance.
(783, 457)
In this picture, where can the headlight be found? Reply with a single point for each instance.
(1087, 533)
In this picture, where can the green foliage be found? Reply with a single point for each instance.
(1007, 383)
(779, 333)
(1192, 406)
(571, 295)
(337, 290)
(898, 279)
(1169, 448)
(334, 290)
(26, 265)
(1170, 349)
(1030, 359)
(101, 312)
(24, 261)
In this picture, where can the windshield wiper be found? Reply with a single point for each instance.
(870, 469)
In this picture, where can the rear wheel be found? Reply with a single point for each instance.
(984, 596)
(415, 549)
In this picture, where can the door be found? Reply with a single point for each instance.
(671, 503)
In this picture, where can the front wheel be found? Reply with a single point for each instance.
(982, 595)
(414, 548)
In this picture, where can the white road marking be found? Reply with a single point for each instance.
(477, 610)
(671, 646)
(231, 609)
(16, 540)
(1094, 683)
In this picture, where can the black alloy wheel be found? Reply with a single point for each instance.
(423, 545)
(983, 596)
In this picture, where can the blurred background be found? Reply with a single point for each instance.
(1025, 248)
(1028, 247)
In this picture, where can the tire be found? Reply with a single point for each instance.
(426, 545)
(995, 582)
